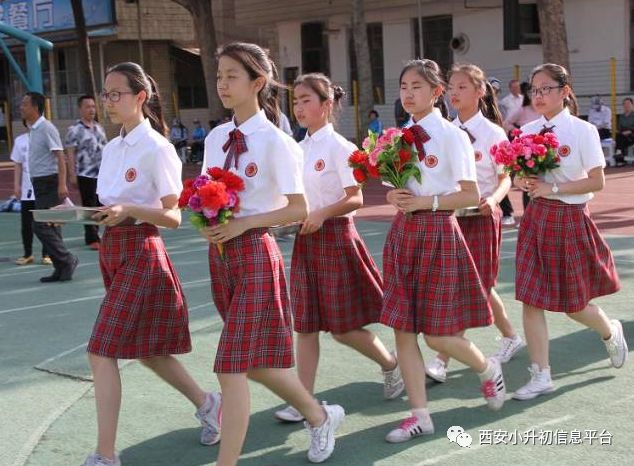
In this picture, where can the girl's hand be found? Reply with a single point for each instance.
(539, 189)
(313, 222)
(112, 215)
(487, 206)
(397, 196)
(226, 231)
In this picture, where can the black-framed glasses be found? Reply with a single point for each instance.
(114, 96)
(545, 90)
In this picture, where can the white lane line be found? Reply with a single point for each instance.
(61, 355)
(190, 284)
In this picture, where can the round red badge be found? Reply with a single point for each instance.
(251, 170)
(320, 165)
(478, 156)
(563, 151)
(130, 175)
(431, 161)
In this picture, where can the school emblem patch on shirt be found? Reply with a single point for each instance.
(563, 151)
(431, 161)
(130, 175)
(251, 170)
(478, 156)
(320, 165)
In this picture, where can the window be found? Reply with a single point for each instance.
(437, 33)
(375, 44)
(315, 56)
(189, 78)
(529, 24)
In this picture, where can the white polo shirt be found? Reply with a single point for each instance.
(139, 168)
(450, 158)
(486, 133)
(20, 154)
(271, 166)
(326, 169)
(579, 152)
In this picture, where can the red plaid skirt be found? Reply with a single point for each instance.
(562, 261)
(335, 284)
(249, 289)
(431, 284)
(483, 234)
(144, 312)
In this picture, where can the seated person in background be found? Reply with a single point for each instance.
(624, 131)
(376, 126)
(198, 141)
(524, 114)
(600, 116)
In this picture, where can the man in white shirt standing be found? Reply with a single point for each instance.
(513, 101)
(600, 116)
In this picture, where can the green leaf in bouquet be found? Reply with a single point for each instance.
(198, 220)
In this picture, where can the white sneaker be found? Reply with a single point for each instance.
(508, 348)
(95, 459)
(508, 220)
(540, 384)
(289, 414)
(210, 415)
(616, 345)
(322, 438)
(493, 387)
(436, 370)
(408, 429)
(393, 384)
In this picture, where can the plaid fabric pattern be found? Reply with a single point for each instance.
(562, 262)
(420, 137)
(234, 146)
(335, 284)
(144, 312)
(483, 234)
(431, 284)
(249, 290)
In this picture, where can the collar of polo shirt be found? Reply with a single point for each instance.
(252, 124)
(137, 133)
(38, 122)
(430, 122)
(559, 120)
(320, 133)
(472, 123)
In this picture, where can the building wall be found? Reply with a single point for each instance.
(160, 20)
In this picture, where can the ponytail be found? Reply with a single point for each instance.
(268, 97)
(153, 110)
(488, 105)
(571, 103)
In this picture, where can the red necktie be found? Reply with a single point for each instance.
(234, 146)
(420, 137)
(471, 136)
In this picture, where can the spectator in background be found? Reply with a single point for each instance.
(401, 117)
(23, 190)
(525, 114)
(198, 141)
(513, 101)
(496, 84)
(375, 125)
(47, 168)
(83, 143)
(178, 137)
(600, 116)
(624, 131)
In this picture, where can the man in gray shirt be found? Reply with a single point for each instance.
(47, 168)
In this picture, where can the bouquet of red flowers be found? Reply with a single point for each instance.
(212, 198)
(527, 154)
(391, 156)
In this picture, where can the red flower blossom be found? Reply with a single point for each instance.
(187, 192)
(373, 171)
(404, 155)
(358, 158)
(359, 175)
(213, 195)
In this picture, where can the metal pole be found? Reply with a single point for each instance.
(613, 95)
(140, 36)
(355, 102)
(516, 72)
(420, 30)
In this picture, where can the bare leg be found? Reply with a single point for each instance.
(502, 321)
(172, 371)
(307, 359)
(592, 316)
(369, 345)
(412, 368)
(536, 332)
(235, 400)
(107, 381)
(460, 348)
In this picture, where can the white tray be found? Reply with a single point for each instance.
(285, 229)
(467, 212)
(73, 214)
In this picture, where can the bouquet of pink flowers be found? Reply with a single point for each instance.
(527, 154)
(212, 198)
(391, 156)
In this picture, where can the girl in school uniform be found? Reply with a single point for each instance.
(478, 116)
(335, 284)
(562, 260)
(248, 283)
(144, 314)
(431, 284)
